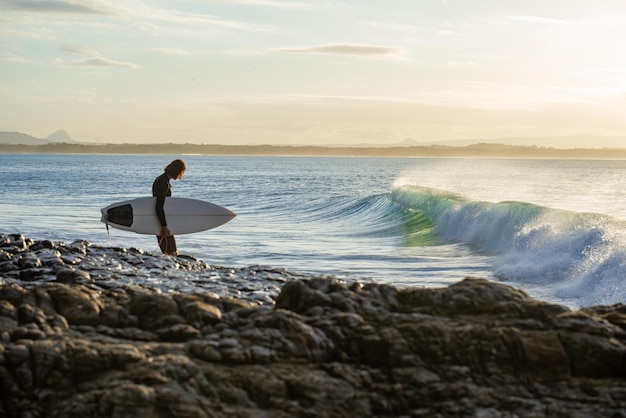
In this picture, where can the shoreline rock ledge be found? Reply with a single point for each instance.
(76, 348)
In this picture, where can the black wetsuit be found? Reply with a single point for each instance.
(162, 188)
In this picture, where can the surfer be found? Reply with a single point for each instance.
(162, 188)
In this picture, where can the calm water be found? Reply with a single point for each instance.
(555, 228)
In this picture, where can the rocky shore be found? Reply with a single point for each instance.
(89, 331)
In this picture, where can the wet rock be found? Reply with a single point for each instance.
(14, 242)
(28, 261)
(31, 274)
(8, 266)
(36, 262)
(43, 244)
(71, 275)
(5, 256)
(48, 256)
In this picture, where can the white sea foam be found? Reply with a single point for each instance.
(576, 255)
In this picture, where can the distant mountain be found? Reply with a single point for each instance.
(20, 138)
(563, 142)
(61, 136)
(24, 139)
(409, 142)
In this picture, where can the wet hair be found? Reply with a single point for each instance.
(175, 168)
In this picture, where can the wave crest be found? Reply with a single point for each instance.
(578, 255)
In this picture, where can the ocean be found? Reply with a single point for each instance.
(553, 228)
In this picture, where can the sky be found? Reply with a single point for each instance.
(344, 72)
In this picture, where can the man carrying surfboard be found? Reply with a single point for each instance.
(161, 188)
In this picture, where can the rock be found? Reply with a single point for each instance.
(37, 262)
(121, 341)
(178, 333)
(28, 261)
(78, 304)
(197, 312)
(155, 311)
(70, 275)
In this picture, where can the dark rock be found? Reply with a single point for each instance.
(79, 305)
(6, 266)
(123, 334)
(49, 257)
(178, 333)
(70, 275)
(44, 244)
(155, 311)
(196, 311)
(527, 359)
(31, 274)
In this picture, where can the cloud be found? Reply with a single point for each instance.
(96, 7)
(186, 19)
(277, 4)
(101, 62)
(77, 49)
(242, 52)
(539, 20)
(369, 51)
(170, 51)
(11, 57)
(143, 12)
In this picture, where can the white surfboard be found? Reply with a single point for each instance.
(183, 215)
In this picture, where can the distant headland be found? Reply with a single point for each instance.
(61, 143)
(484, 150)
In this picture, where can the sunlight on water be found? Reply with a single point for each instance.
(576, 185)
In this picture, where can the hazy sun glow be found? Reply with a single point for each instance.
(302, 72)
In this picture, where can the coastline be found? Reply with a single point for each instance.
(482, 150)
(103, 331)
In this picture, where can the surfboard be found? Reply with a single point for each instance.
(183, 215)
